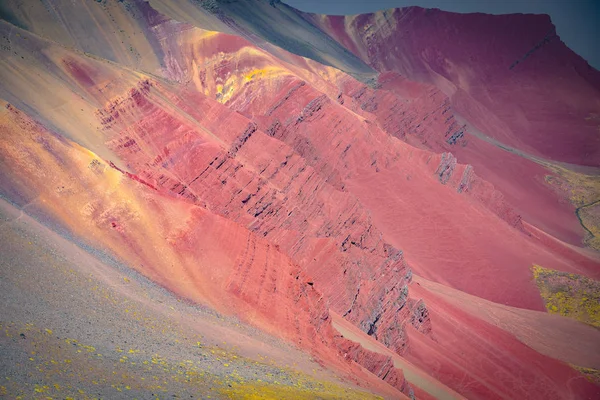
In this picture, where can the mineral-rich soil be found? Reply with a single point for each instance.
(362, 200)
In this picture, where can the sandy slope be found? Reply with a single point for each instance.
(82, 325)
(417, 377)
(551, 335)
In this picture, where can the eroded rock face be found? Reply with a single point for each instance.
(472, 185)
(281, 197)
(446, 167)
(277, 188)
(379, 364)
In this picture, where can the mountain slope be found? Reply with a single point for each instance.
(250, 158)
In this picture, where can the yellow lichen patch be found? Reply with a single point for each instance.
(583, 191)
(224, 92)
(593, 375)
(581, 188)
(261, 391)
(569, 295)
(589, 216)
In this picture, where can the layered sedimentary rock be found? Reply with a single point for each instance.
(280, 197)
(378, 364)
(120, 213)
(223, 158)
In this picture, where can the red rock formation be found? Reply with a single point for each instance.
(271, 186)
(192, 252)
(378, 364)
(279, 196)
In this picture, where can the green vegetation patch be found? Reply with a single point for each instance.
(569, 295)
